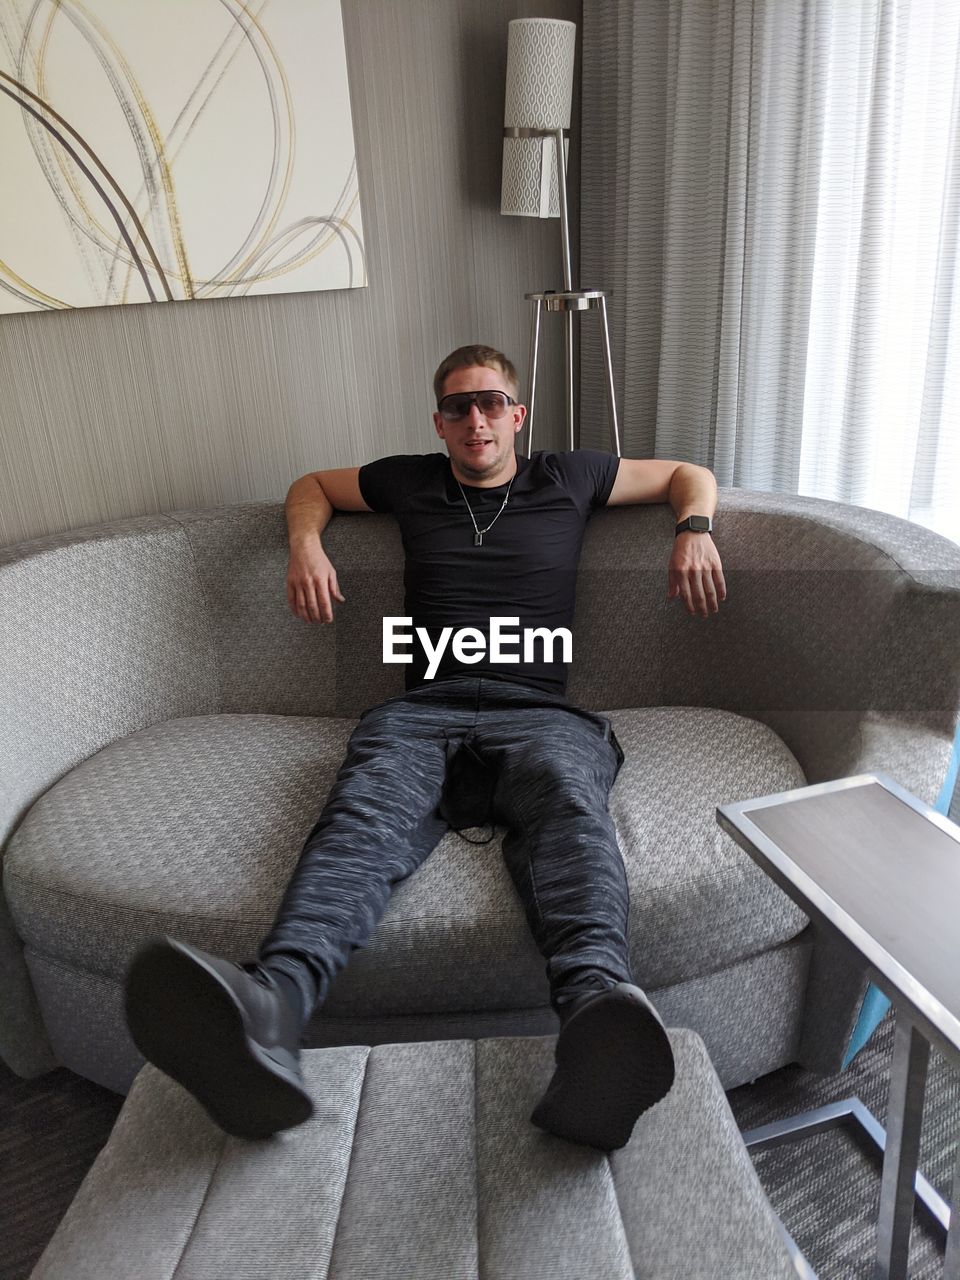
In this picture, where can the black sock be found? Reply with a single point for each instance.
(581, 982)
(293, 990)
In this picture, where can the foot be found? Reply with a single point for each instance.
(228, 1036)
(614, 1062)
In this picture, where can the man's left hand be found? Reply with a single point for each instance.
(696, 575)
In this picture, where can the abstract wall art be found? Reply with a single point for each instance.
(174, 150)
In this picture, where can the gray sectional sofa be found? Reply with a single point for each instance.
(168, 732)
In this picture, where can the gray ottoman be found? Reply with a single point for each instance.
(421, 1164)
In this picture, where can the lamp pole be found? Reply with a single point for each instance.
(567, 283)
(568, 301)
(538, 95)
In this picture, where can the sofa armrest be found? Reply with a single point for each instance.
(23, 1042)
(841, 632)
(102, 632)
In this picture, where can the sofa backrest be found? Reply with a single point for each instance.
(267, 659)
(833, 614)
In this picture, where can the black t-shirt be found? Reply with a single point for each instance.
(525, 569)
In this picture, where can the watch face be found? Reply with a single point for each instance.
(700, 524)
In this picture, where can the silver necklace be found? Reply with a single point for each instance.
(478, 533)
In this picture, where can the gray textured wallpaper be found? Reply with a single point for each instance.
(129, 410)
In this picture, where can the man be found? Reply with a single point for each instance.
(478, 736)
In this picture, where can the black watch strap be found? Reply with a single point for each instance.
(694, 524)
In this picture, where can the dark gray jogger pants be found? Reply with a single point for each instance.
(551, 767)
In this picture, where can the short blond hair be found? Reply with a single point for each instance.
(471, 358)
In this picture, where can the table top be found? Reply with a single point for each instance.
(881, 868)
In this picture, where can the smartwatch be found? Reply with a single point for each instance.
(694, 524)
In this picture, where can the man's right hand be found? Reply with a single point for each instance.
(312, 583)
(311, 578)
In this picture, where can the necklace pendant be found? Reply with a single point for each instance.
(478, 539)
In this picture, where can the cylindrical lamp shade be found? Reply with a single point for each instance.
(540, 53)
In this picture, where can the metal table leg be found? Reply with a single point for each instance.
(908, 1078)
(850, 1114)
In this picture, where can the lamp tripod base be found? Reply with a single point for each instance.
(570, 301)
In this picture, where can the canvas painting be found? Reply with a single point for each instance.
(161, 150)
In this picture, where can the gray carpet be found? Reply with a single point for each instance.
(50, 1133)
(825, 1188)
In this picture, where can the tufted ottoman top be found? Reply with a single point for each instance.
(421, 1164)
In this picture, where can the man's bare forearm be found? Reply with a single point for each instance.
(312, 583)
(693, 491)
(308, 510)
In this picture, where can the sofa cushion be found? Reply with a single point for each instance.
(697, 902)
(192, 828)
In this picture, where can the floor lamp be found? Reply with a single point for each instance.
(540, 54)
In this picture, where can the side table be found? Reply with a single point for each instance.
(880, 869)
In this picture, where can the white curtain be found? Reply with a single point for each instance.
(771, 192)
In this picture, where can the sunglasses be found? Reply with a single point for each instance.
(492, 404)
